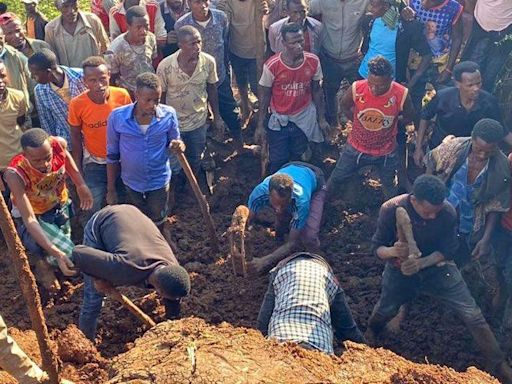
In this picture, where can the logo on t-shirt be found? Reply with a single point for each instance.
(98, 124)
(373, 119)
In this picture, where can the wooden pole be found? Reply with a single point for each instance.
(127, 303)
(260, 60)
(205, 208)
(404, 232)
(30, 293)
(236, 233)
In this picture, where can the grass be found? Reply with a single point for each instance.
(47, 7)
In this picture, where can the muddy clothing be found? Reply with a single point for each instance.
(304, 303)
(439, 234)
(122, 246)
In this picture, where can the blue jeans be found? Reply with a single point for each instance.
(93, 300)
(245, 72)
(195, 142)
(285, 145)
(351, 160)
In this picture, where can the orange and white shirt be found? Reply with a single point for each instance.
(375, 118)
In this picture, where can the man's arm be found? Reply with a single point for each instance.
(264, 95)
(29, 218)
(483, 247)
(267, 307)
(342, 321)
(213, 100)
(76, 144)
(264, 263)
(347, 104)
(456, 37)
(84, 194)
(408, 112)
(113, 157)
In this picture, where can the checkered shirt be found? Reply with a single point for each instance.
(304, 289)
(53, 110)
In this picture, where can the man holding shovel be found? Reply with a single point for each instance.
(433, 222)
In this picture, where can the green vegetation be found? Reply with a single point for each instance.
(47, 7)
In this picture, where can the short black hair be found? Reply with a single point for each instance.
(429, 188)
(186, 30)
(44, 59)
(290, 28)
(93, 62)
(148, 80)
(3, 8)
(133, 12)
(34, 138)
(464, 67)
(282, 184)
(288, 2)
(380, 66)
(173, 280)
(489, 130)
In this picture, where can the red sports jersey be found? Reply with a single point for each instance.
(375, 119)
(291, 87)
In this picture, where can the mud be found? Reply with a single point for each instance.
(190, 351)
(430, 333)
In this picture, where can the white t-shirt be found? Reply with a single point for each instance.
(493, 15)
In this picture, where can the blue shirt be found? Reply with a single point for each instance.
(383, 43)
(214, 35)
(143, 156)
(460, 197)
(304, 184)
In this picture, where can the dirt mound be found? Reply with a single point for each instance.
(191, 351)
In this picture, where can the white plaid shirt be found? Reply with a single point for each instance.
(304, 289)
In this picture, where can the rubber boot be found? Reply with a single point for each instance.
(495, 359)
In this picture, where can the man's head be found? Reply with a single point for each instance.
(379, 7)
(380, 75)
(37, 149)
(41, 65)
(30, 6)
(428, 194)
(200, 9)
(189, 41)
(280, 188)
(175, 4)
(468, 79)
(138, 24)
(4, 79)
(127, 4)
(293, 39)
(429, 4)
(485, 137)
(148, 92)
(13, 30)
(96, 76)
(297, 11)
(68, 10)
(171, 282)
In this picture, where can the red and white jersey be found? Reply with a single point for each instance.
(291, 87)
(375, 119)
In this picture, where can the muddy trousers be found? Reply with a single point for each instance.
(446, 284)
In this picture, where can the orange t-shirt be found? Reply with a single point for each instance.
(92, 118)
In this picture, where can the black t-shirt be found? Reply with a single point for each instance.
(124, 247)
(453, 119)
(439, 234)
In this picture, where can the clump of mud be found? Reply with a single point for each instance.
(74, 347)
(191, 351)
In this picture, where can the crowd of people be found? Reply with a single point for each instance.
(95, 105)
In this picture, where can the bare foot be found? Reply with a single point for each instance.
(394, 324)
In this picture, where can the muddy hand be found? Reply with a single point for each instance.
(177, 146)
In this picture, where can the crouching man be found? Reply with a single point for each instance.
(296, 193)
(124, 247)
(304, 303)
(41, 206)
(434, 227)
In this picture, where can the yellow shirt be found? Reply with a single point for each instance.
(14, 105)
(187, 94)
